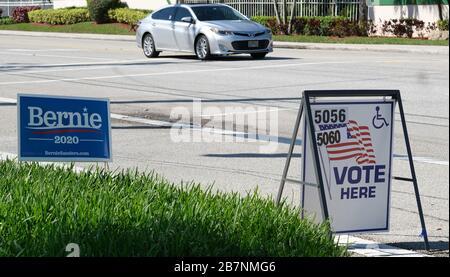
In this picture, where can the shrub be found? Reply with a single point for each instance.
(20, 14)
(443, 25)
(128, 16)
(98, 9)
(59, 16)
(406, 27)
(326, 24)
(312, 27)
(277, 28)
(342, 27)
(316, 26)
(6, 21)
(263, 20)
(299, 25)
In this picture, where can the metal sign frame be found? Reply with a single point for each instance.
(305, 107)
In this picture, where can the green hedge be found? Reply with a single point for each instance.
(263, 20)
(443, 25)
(6, 21)
(59, 16)
(316, 26)
(98, 9)
(128, 16)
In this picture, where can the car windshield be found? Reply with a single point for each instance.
(213, 13)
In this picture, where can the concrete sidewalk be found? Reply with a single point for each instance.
(423, 49)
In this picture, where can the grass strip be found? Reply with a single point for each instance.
(43, 208)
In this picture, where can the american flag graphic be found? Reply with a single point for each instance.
(358, 145)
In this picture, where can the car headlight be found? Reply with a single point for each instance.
(268, 31)
(221, 32)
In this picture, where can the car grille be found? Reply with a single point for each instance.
(249, 34)
(243, 45)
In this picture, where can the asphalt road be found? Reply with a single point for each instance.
(234, 86)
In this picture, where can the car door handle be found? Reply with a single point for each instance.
(154, 24)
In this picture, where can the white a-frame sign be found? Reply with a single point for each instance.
(347, 159)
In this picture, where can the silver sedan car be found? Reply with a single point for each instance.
(203, 29)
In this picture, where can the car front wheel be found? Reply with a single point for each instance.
(202, 48)
(258, 56)
(148, 46)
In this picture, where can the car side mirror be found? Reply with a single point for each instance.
(187, 19)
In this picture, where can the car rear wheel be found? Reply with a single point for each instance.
(202, 48)
(148, 46)
(258, 56)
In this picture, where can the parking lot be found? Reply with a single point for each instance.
(144, 93)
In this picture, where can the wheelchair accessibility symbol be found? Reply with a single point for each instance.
(378, 120)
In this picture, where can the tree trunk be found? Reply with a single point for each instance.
(291, 20)
(441, 17)
(285, 15)
(362, 12)
(277, 13)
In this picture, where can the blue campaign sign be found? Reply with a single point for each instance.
(58, 128)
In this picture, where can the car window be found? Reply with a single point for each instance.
(164, 14)
(182, 12)
(212, 13)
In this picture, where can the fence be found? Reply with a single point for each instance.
(9, 5)
(347, 8)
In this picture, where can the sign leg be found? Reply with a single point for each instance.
(413, 174)
(289, 155)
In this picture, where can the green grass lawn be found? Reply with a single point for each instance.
(42, 209)
(360, 40)
(121, 29)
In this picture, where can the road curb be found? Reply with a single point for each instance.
(424, 49)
